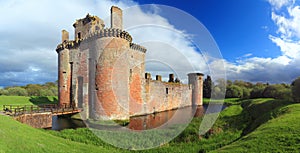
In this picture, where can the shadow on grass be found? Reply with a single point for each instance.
(261, 113)
(254, 114)
(37, 100)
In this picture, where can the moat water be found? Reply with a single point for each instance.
(144, 122)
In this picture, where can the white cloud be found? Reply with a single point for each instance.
(277, 4)
(288, 47)
(32, 30)
(283, 68)
(288, 25)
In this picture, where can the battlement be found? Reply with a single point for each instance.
(159, 79)
(108, 32)
(138, 47)
(67, 45)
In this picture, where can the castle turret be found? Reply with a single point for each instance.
(64, 72)
(196, 82)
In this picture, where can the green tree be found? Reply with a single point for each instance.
(277, 91)
(17, 91)
(241, 83)
(296, 89)
(257, 92)
(207, 87)
(33, 89)
(46, 92)
(234, 91)
(246, 93)
(3, 92)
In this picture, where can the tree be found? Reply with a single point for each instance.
(257, 92)
(246, 93)
(234, 91)
(216, 93)
(277, 91)
(207, 86)
(17, 91)
(3, 92)
(33, 89)
(296, 89)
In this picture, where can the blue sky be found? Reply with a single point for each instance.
(258, 39)
(239, 27)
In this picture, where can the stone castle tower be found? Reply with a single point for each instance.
(102, 71)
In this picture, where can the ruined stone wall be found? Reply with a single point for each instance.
(89, 24)
(37, 120)
(161, 96)
(167, 96)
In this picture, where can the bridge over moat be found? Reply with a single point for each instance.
(39, 116)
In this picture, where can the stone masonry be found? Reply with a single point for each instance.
(103, 72)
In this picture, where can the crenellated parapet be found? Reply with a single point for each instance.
(158, 78)
(109, 32)
(138, 47)
(67, 45)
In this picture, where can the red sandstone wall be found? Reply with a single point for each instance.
(112, 79)
(40, 120)
(81, 69)
(157, 99)
(64, 77)
(136, 81)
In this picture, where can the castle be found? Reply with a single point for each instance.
(103, 72)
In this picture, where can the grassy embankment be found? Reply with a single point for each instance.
(258, 125)
(271, 126)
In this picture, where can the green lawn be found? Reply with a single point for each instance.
(255, 125)
(22, 100)
(18, 138)
(225, 101)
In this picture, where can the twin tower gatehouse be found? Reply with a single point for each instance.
(103, 72)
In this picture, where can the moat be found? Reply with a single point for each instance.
(144, 122)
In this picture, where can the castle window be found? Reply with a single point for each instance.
(79, 35)
(167, 91)
(130, 73)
